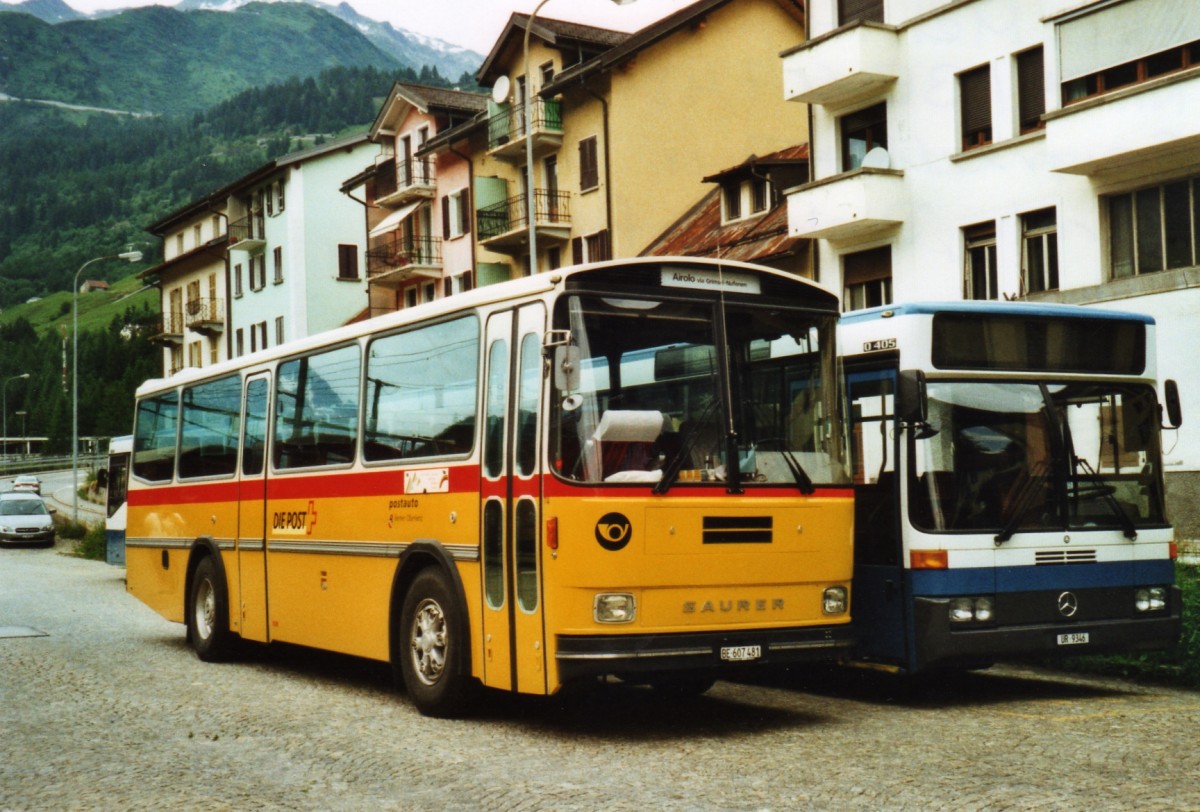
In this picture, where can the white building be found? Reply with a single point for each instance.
(1046, 149)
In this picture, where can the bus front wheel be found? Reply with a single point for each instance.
(431, 649)
(208, 618)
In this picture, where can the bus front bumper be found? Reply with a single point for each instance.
(644, 655)
(940, 643)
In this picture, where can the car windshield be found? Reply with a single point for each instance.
(1002, 457)
(654, 394)
(22, 507)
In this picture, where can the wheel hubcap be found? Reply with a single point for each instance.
(428, 642)
(206, 609)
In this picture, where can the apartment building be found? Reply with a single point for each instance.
(418, 204)
(270, 257)
(984, 149)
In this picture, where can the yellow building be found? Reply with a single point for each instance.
(624, 127)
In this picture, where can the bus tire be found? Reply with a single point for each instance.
(208, 613)
(431, 649)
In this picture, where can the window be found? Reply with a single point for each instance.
(154, 438)
(197, 239)
(269, 195)
(216, 226)
(862, 132)
(1031, 93)
(593, 248)
(279, 196)
(239, 342)
(760, 195)
(975, 96)
(410, 297)
(208, 442)
(428, 292)
(195, 354)
(347, 261)
(237, 280)
(316, 409)
(589, 165)
(852, 11)
(732, 192)
(260, 267)
(547, 70)
(867, 279)
(423, 390)
(262, 335)
(179, 243)
(279, 335)
(1039, 251)
(553, 258)
(980, 278)
(456, 214)
(278, 257)
(1155, 229)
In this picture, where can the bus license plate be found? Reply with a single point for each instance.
(740, 654)
(1073, 639)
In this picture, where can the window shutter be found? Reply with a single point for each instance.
(464, 211)
(1031, 93)
(577, 250)
(589, 170)
(446, 217)
(976, 88)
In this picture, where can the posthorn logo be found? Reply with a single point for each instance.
(613, 531)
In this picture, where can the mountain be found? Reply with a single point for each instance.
(161, 60)
(49, 11)
(408, 47)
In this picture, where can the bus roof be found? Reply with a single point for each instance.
(995, 308)
(490, 294)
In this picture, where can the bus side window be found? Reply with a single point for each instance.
(316, 409)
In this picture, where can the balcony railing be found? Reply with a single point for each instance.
(170, 329)
(511, 217)
(205, 315)
(397, 259)
(507, 130)
(250, 230)
(398, 181)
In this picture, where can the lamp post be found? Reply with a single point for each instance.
(128, 256)
(529, 193)
(4, 393)
(21, 413)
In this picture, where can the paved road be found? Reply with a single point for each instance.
(110, 710)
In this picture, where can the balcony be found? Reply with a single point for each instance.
(401, 182)
(248, 234)
(504, 226)
(206, 316)
(506, 131)
(169, 330)
(843, 66)
(851, 207)
(1094, 138)
(392, 262)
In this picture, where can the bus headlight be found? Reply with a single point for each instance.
(835, 600)
(972, 610)
(1153, 599)
(614, 607)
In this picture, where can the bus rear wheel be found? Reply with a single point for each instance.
(208, 618)
(431, 649)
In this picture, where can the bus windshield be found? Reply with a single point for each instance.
(1004, 456)
(659, 401)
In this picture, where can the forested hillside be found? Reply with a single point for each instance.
(79, 186)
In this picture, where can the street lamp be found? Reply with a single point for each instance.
(529, 193)
(21, 414)
(4, 392)
(128, 256)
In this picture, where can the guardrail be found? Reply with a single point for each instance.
(39, 465)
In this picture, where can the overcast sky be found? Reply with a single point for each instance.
(474, 24)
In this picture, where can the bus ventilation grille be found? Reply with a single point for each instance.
(737, 530)
(1065, 557)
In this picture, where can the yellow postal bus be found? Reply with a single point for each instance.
(636, 468)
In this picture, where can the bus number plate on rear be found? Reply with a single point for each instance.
(740, 654)
(1073, 639)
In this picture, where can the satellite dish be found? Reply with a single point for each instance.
(500, 90)
(877, 158)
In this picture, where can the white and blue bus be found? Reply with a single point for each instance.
(117, 482)
(1009, 497)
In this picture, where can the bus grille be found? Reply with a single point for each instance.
(737, 530)
(1065, 557)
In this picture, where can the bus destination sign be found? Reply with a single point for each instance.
(879, 345)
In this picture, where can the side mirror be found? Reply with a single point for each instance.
(567, 376)
(912, 403)
(1174, 409)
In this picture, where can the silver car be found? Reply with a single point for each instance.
(24, 517)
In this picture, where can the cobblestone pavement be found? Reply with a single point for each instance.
(109, 709)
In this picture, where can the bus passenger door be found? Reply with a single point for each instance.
(252, 527)
(514, 648)
(879, 607)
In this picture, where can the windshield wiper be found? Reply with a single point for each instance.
(803, 480)
(1103, 490)
(1024, 501)
(671, 472)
